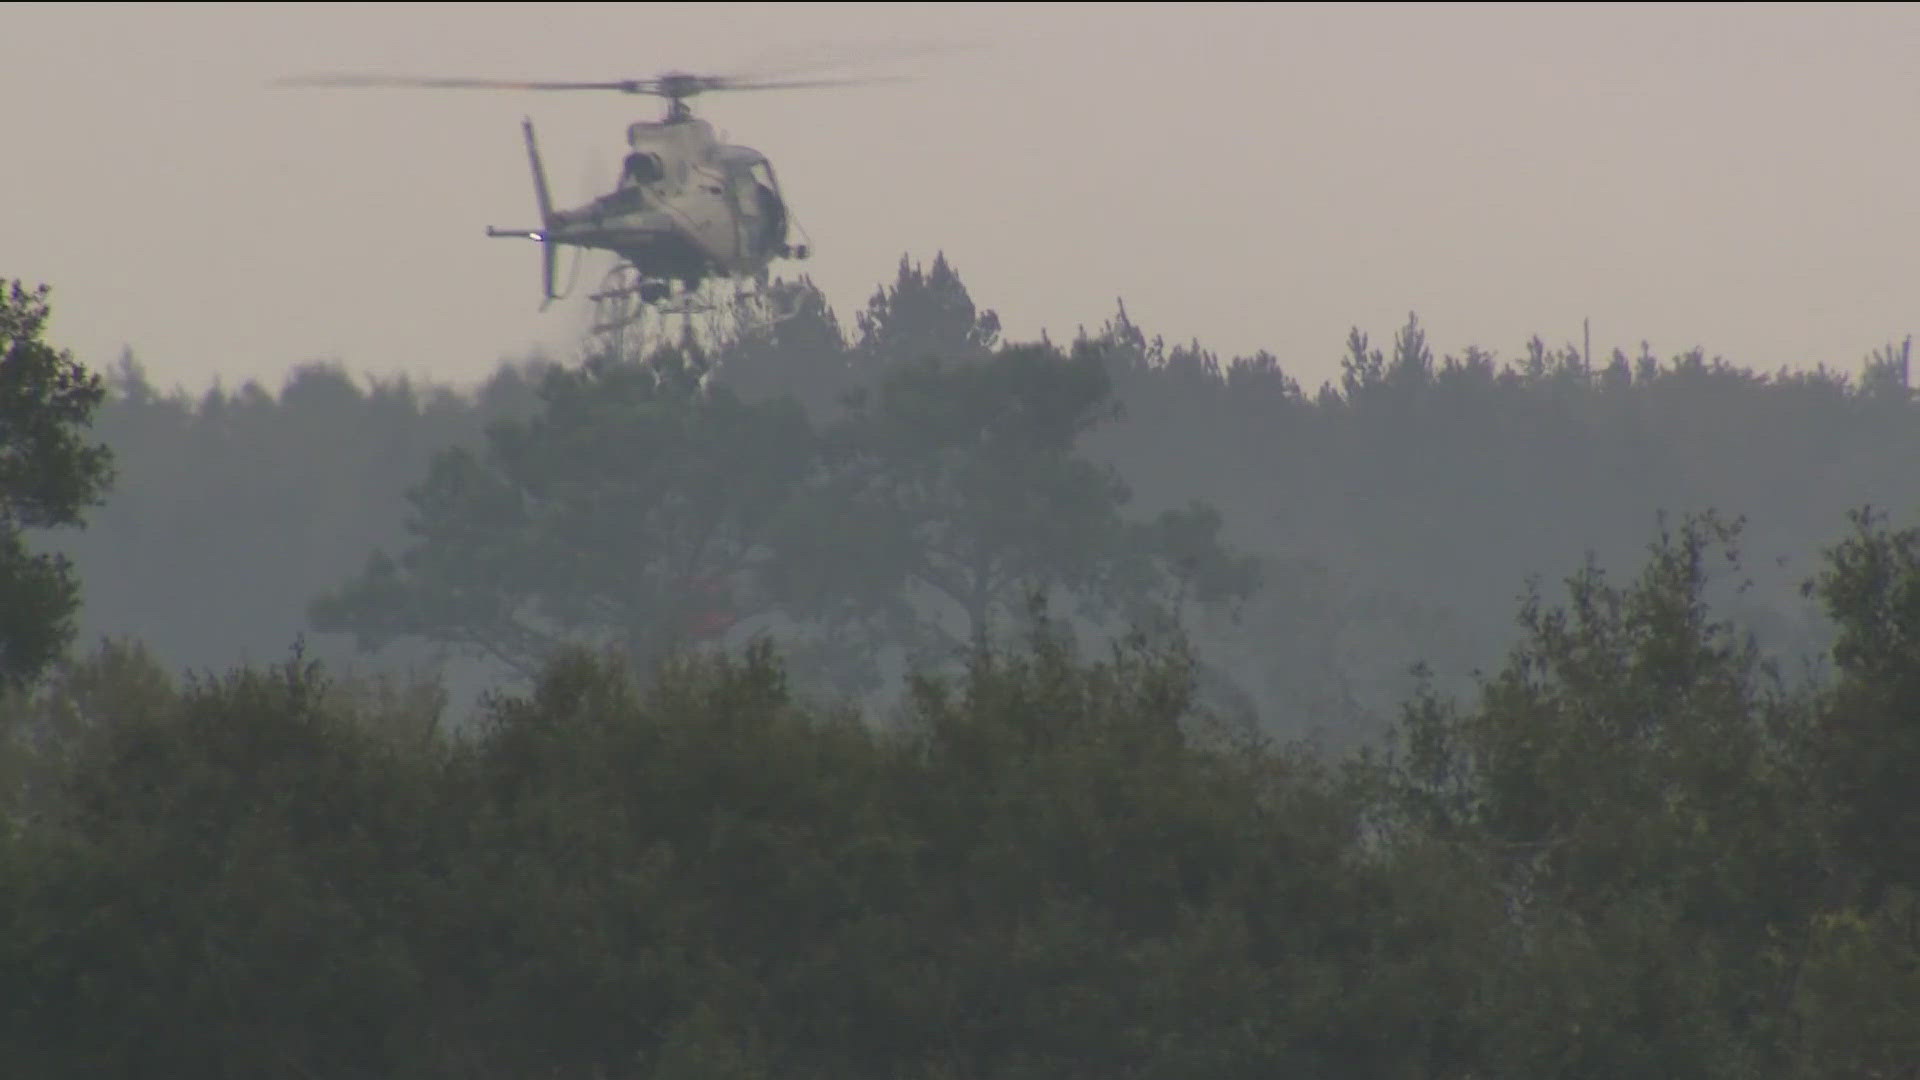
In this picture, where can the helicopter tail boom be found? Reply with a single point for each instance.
(544, 233)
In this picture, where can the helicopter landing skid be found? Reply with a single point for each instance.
(766, 308)
(634, 316)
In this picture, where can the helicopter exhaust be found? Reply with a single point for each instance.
(544, 233)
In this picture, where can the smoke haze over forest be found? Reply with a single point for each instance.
(1367, 542)
(1655, 819)
(1397, 512)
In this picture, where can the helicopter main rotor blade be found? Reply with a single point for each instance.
(630, 86)
(674, 85)
(804, 84)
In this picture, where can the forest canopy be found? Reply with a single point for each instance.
(909, 702)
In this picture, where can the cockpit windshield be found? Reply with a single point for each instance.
(762, 174)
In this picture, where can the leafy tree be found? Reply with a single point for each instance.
(1888, 377)
(233, 507)
(634, 510)
(953, 492)
(1860, 978)
(1615, 862)
(1556, 453)
(1868, 748)
(924, 314)
(1859, 991)
(250, 852)
(1628, 786)
(803, 356)
(48, 476)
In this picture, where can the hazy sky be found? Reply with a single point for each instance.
(1261, 176)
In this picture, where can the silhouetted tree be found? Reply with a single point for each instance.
(633, 510)
(922, 315)
(803, 356)
(1868, 750)
(1627, 788)
(960, 485)
(49, 476)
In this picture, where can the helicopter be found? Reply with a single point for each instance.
(689, 216)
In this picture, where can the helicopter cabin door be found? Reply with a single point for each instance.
(759, 215)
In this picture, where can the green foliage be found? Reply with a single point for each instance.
(234, 506)
(1628, 784)
(924, 315)
(41, 729)
(49, 475)
(1052, 868)
(244, 857)
(1637, 851)
(1869, 739)
(1859, 986)
(1860, 992)
(953, 493)
(1187, 546)
(1633, 855)
(1406, 513)
(630, 510)
(635, 500)
(38, 595)
(803, 356)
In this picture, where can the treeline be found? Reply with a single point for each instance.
(1648, 843)
(1634, 853)
(1393, 516)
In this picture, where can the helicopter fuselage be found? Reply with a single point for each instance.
(686, 207)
